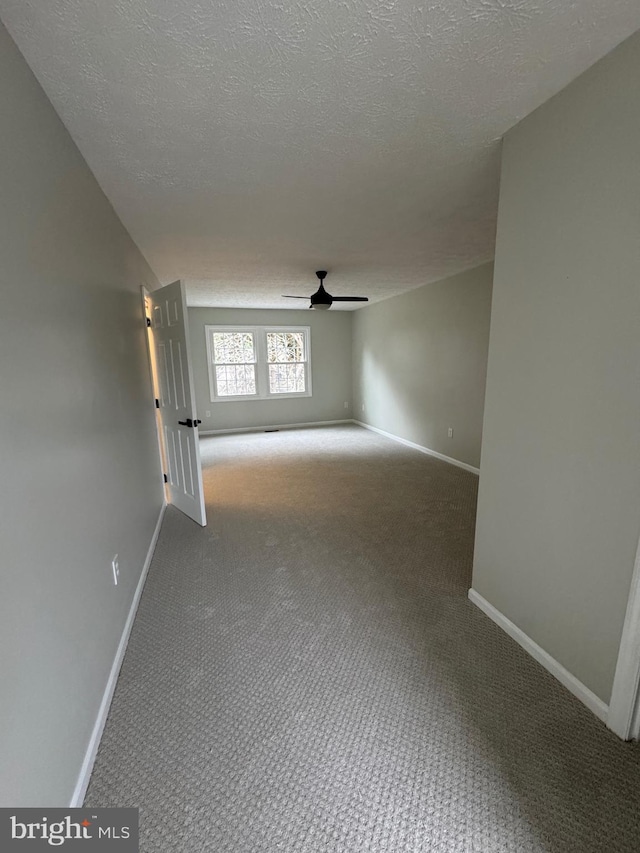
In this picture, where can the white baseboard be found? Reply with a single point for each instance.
(419, 447)
(579, 690)
(94, 741)
(273, 426)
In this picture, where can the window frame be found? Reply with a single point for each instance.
(261, 363)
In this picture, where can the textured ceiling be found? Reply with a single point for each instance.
(247, 143)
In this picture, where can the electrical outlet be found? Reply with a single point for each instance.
(450, 432)
(363, 407)
(346, 405)
(208, 414)
(115, 568)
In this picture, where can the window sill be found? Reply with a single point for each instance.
(257, 399)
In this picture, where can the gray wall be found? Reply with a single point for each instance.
(330, 365)
(420, 363)
(559, 503)
(80, 473)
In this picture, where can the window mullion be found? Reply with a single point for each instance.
(262, 384)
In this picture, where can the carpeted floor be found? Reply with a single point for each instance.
(306, 674)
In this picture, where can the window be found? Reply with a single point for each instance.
(234, 357)
(286, 356)
(258, 362)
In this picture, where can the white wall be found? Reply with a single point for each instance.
(330, 364)
(559, 502)
(419, 363)
(80, 473)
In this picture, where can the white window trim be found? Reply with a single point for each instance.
(261, 365)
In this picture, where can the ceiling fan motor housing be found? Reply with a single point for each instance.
(321, 299)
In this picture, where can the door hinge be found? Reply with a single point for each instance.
(165, 478)
(157, 403)
(148, 321)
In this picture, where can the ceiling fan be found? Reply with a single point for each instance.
(323, 300)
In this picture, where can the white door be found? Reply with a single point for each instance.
(177, 409)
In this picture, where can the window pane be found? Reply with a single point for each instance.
(234, 380)
(285, 347)
(286, 379)
(233, 348)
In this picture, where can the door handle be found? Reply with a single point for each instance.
(196, 422)
(187, 423)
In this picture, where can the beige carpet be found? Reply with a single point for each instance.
(306, 674)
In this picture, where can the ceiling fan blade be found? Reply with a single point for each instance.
(286, 296)
(350, 298)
